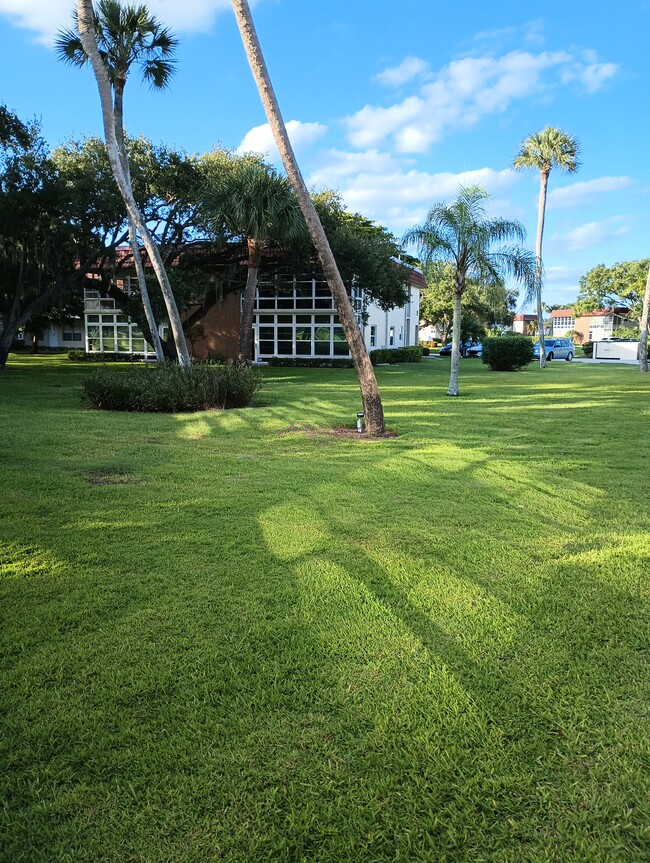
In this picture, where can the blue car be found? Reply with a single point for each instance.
(556, 349)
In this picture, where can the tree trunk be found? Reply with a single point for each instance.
(85, 20)
(541, 211)
(455, 342)
(643, 328)
(371, 400)
(245, 346)
(118, 113)
(144, 294)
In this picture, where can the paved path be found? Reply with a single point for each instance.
(604, 362)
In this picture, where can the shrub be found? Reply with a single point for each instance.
(426, 352)
(77, 355)
(382, 356)
(171, 389)
(588, 349)
(507, 355)
(312, 362)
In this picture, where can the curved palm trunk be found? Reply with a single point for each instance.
(455, 341)
(372, 406)
(541, 211)
(118, 114)
(643, 328)
(85, 17)
(245, 344)
(144, 294)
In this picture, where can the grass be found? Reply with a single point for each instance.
(236, 637)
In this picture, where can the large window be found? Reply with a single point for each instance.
(109, 331)
(314, 335)
(297, 317)
(291, 292)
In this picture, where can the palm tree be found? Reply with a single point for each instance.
(550, 148)
(371, 400)
(643, 327)
(113, 39)
(461, 234)
(254, 202)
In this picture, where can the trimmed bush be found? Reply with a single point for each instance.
(588, 349)
(382, 356)
(507, 355)
(78, 355)
(170, 389)
(312, 362)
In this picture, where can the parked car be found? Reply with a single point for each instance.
(465, 349)
(556, 349)
(475, 350)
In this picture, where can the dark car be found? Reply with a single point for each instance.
(465, 349)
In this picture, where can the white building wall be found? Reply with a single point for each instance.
(397, 328)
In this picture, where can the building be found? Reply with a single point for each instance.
(599, 325)
(69, 334)
(525, 324)
(294, 317)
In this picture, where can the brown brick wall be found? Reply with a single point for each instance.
(221, 324)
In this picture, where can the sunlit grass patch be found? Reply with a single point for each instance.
(237, 636)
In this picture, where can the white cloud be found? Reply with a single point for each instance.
(46, 17)
(561, 276)
(595, 233)
(411, 67)
(578, 194)
(466, 90)
(260, 138)
(383, 189)
(589, 71)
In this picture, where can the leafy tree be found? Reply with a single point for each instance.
(643, 327)
(87, 26)
(462, 235)
(372, 405)
(478, 310)
(619, 286)
(127, 35)
(258, 205)
(39, 245)
(367, 254)
(544, 150)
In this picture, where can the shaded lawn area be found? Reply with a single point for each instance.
(236, 637)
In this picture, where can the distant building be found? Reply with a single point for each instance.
(525, 324)
(600, 324)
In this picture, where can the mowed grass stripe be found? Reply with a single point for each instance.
(235, 636)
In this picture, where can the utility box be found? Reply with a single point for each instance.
(616, 351)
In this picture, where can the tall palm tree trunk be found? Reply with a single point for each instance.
(85, 17)
(245, 345)
(371, 400)
(118, 113)
(455, 342)
(643, 328)
(541, 211)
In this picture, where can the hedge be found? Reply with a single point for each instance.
(382, 356)
(169, 388)
(507, 354)
(312, 362)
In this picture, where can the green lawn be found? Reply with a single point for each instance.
(237, 637)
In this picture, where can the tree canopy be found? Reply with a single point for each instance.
(619, 286)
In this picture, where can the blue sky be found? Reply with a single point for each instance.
(395, 105)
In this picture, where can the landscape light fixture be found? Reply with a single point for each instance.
(360, 427)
